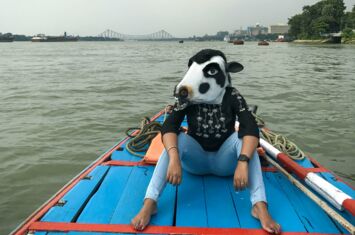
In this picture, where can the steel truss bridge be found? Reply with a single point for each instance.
(160, 35)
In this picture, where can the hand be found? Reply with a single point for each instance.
(173, 176)
(240, 181)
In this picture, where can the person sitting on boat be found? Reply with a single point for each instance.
(211, 146)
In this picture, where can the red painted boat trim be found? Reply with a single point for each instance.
(314, 170)
(125, 228)
(21, 230)
(269, 169)
(349, 205)
(291, 165)
(125, 163)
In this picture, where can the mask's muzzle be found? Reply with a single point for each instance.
(181, 97)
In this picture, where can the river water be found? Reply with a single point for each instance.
(63, 104)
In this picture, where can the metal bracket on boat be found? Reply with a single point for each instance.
(87, 177)
(61, 202)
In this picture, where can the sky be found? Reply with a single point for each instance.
(181, 18)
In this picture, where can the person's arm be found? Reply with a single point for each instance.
(170, 130)
(249, 132)
(173, 175)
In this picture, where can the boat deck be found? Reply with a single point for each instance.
(114, 194)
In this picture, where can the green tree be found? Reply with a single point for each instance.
(349, 19)
(347, 33)
(296, 23)
(326, 16)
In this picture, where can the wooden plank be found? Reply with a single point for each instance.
(101, 206)
(191, 203)
(219, 203)
(124, 155)
(279, 205)
(242, 206)
(76, 198)
(133, 195)
(346, 189)
(312, 216)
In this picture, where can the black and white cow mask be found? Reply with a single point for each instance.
(206, 79)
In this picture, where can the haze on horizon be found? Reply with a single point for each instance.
(181, 18)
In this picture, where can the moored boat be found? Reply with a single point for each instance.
(44, 38)
(280, 38)
(108, 193)
(238, 42)
(263, 43)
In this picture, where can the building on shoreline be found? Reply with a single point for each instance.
(257, 30)
(279, 29)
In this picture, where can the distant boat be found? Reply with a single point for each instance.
(181, 41)
(226, 38)
(199, 39)
(7, 37)
(238, 42)
(44, 38)
(280, 38)
(263, 43)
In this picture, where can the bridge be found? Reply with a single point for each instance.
(160, 35)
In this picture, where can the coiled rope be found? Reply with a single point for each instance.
(148, 130)
(279, 141)
(141, 141)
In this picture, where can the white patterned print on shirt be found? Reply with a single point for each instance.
(210, 121)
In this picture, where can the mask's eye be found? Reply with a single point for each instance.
(212, 71)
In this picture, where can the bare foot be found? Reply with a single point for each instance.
(141, 220)
(261, 213)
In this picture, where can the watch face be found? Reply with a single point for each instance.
(243, 158)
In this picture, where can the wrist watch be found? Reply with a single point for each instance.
(243, 158)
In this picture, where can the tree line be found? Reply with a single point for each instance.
(326, 16)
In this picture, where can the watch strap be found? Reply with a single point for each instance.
(243, 158)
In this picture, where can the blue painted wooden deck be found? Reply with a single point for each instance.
(114, 194)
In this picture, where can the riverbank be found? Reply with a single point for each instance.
(322, 41)
(349, 41)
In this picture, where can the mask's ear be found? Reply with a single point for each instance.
(234, 67)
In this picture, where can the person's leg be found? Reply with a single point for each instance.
(187, 147)
(225, 162)
(155, 187)
(192, 160)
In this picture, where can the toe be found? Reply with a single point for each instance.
(268, 229)
(141, 224)
(134, 223)
(278, 228)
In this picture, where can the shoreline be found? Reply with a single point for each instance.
(321, 41)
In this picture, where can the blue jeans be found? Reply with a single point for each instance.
(197, 161)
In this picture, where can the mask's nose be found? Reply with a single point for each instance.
(182, 93)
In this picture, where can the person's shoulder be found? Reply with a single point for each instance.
(232, 91)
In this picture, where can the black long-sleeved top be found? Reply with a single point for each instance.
(211, 124)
